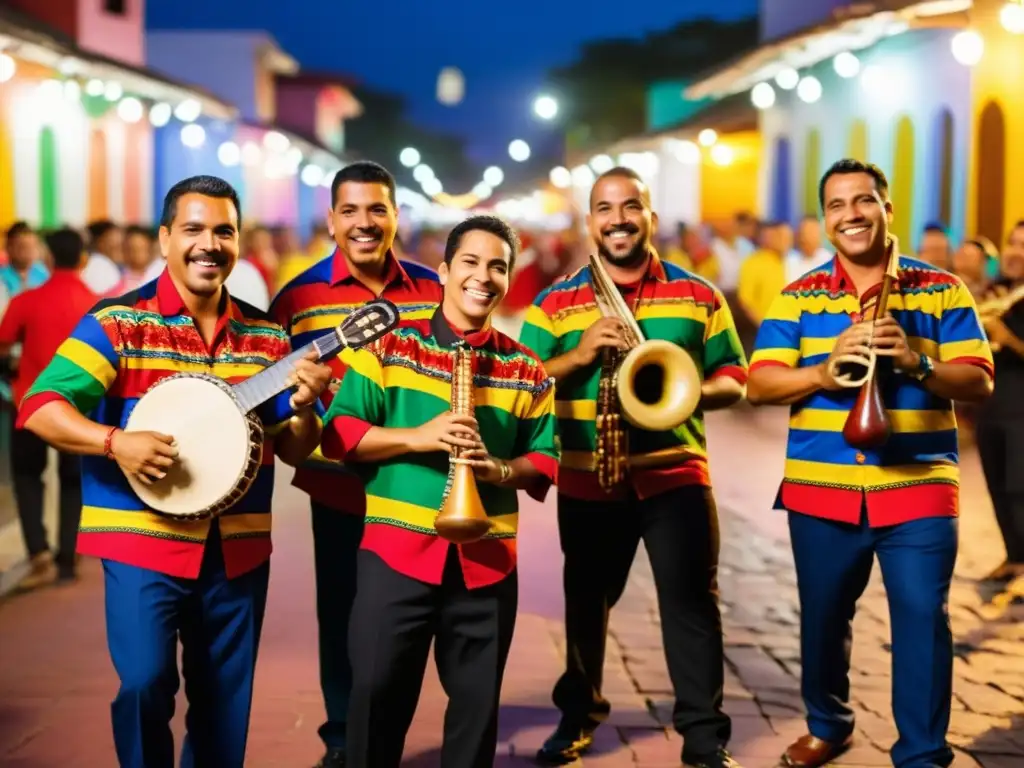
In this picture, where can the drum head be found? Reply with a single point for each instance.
(212, 438)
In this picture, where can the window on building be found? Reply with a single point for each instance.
(118, 7)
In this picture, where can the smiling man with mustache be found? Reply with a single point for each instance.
(898, 501)
(363, 220)
(203, 582)
(665, 500)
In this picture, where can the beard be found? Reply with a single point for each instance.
(634, 256)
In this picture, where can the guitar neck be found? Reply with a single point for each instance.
(272, 381)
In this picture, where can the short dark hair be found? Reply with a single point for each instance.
(484, 223)
(364, 172)
(208, 186)
(66, 246)
(17, 229)
(936, 227)
(99, 228)
(619, 172)
(138, 229)
(849, 165)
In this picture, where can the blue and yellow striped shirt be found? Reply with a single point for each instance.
(913, 475)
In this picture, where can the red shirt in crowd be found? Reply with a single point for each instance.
(40, 319)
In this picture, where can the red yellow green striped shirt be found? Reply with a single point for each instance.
(670, 304)
(321, 298)
(404, 381)
(116, 353)
(915, 474)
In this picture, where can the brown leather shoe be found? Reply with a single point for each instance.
(42, 572)
(811, 752)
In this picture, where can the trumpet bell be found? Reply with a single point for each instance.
(462, 519)
(658, 385)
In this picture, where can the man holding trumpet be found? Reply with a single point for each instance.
(871, 463)
(395, 421)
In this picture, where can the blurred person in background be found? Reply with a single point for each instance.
(762, 278)
(24, 268)
(294, 260)
(971, 264)
(102, 271)
(748, 228)
(934, 247)
(141, 262)
(40, 319)
(730, 249)
(320, 244)
(260, 252)
(1000, 420)
(808, 253)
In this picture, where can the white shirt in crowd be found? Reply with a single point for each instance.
(246, 283)
(101, 274)
(730, 257)
(798, 265)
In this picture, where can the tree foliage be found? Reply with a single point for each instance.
(384, 131)
(603, 93)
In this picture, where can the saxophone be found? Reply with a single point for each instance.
(462, 518)
(674, 398)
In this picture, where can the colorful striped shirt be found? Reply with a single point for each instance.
(117, 352)
(915, 474)
(404, 381)
(321, 298)
(670, 304)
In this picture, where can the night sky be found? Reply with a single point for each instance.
(503, 48)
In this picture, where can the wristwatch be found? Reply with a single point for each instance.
(924, 368)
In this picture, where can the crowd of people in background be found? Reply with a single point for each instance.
(750, 260)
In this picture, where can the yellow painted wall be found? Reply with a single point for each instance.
(728, 189)
(999, 76)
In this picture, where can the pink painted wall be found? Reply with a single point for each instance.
(113, 35)
(296, 106)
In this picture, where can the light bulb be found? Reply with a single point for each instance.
(762, 96)
(967, 47)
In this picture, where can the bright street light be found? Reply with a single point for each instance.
(422, 172)
(519, 151)
(493, 176)
(545, 107)
(410, 157)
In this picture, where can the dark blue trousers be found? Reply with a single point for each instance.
(219, 622)
(336, 539)
(833, 564)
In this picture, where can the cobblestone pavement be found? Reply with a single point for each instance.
(56, 681)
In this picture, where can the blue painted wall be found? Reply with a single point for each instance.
(921, 79)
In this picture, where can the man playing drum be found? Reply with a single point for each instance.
(394, 420)
(363, 220)
(205, 580)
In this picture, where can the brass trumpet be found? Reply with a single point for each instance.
(462, 518)
(997, 304)
(671, 398)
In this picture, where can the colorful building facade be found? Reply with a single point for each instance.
(929, 92)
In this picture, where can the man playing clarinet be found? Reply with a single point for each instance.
(850, 501)
(392, 421)
(204, 581)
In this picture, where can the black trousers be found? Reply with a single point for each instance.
(1001, 448)
(28, 462)
(679, 529)
(336, 539)
(394, 619)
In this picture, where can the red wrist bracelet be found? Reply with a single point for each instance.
(107, 449)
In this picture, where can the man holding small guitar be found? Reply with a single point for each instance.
(204, 579)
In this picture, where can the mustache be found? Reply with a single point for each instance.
(215, 256)
(368, 232)
(629, 229)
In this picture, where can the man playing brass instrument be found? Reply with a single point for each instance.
(898, 500)
(1000, 421)
(664, 496)
(392, 421)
